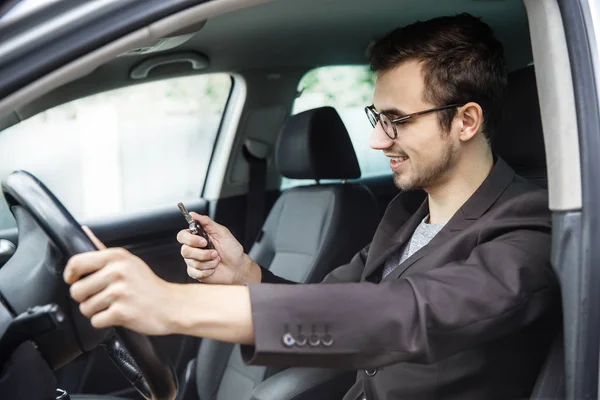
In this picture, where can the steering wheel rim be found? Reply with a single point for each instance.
(23, 189)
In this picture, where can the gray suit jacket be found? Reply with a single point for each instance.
(469, 316)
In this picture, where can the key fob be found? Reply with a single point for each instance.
(194, 227)
(197, 229)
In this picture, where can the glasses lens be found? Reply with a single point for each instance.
(387, 125)
(371, 116)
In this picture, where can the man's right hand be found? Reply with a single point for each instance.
(226, 264)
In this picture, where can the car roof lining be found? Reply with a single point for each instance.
(85, 65)
(270, 35)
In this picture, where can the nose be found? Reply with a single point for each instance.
(379, 140)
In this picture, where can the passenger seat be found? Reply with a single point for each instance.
(309, 231)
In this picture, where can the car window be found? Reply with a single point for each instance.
(126, 150)
(348, 89)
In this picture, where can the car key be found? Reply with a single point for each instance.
(194, 227)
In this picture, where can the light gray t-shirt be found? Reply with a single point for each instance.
(421, 236)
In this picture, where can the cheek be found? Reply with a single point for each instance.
(424, 151)
(419, 145)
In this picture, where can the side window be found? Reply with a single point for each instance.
(348, 89)
(123, 151)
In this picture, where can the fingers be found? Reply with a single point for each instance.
(93, 237)
(87, 263)
(99, 302)
(92, 284)
(199, 274)
(201, 269)
(107, 318)
(187, 238)
(198, 254)
(210, 226)
(201, 265)
(203, 219)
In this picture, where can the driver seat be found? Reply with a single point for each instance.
(523, 125)
(309, 231)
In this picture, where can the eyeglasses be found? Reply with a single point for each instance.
(389, 124)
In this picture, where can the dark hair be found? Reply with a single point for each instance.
(462, 62)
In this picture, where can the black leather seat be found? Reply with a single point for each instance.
(520, 138)
(309, 231)
(520, 142)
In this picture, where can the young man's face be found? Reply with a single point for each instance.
(423, 154)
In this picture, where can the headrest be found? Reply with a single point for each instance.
(520, 140)
(315, 145)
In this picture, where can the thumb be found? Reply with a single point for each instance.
(210, 226)
(93, 238)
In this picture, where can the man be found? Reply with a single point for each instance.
(457, 301)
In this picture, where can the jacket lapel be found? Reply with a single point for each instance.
(482, 199)
(386, 242)
(443, 235)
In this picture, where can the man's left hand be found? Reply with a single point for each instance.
(113, 287)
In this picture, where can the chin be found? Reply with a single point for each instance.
(404, 183)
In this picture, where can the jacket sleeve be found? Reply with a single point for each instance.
(505, 284)
(350, 272)
(269, 277)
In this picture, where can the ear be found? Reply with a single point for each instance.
(470, 117)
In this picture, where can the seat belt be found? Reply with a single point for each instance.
(255, 153)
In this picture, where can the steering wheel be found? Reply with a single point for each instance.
(48, 237)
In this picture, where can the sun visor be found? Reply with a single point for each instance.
(176, 39)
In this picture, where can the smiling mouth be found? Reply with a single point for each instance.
(397, 162)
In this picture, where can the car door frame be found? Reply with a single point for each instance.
(576, 216)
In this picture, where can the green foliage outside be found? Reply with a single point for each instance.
(344, 87)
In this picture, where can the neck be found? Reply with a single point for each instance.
(448, 196)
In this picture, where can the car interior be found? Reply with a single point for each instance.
(281, 167)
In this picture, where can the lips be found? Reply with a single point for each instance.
(397, 162)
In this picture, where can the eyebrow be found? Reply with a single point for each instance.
(393, 111)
